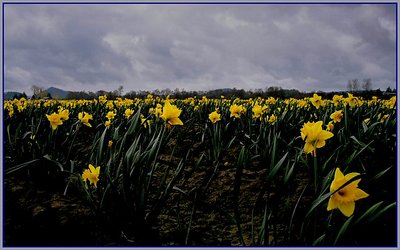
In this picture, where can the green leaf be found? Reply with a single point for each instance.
(276, 168)
(369, 212)
(357, 153)
(101, 144)
(316, 203)
(20, 166)
(365, 127)
(380, 174)
(343, 230)
(47, 157)
(379, 213)
(289, 173)
(319, 240)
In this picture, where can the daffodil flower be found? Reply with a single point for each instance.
(351, 100)
(91, 174)
(316, 100)
(337, 116)
(110, 115)
(257, 111)
(128, 113)
(330, 126)
(272, 119)
(64, 114)
(171, 114)
(337, 99)
(102, 99)
(214, 117)
(84, 118)
(314, 136)
(55, 120)
(107, 123)
(236, 110)
(345, 198)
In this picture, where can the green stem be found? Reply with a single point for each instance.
(315, 173)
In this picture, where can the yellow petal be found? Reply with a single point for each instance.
(360, 194)
(320, 144)
(332, 204)
(347, 208)
(338, 174)
(324, 135)
(352, 175)
(308, 148)
(86, 174)
(175, 112)
(319, 124)
(175, 121)
(92, 169)
(95, 171)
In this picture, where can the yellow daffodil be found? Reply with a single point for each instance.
(158, 111)
(316, 100)
(391, 103)
(110, 143)
(330, 126)
(236, 110)
(214, 117)
(337, 99)
(55, 120)
(337, 116)
(145, 122)
(367, 120)
(64, 114)
(171, 114)
(10, 108)
(107, 123)
(301, 103)
(304, 130)
(103, 99)
(110, 105)
(271, 100)
(384, 118)
(128, 113)
(314, 136)
(84, 118)
(110, 115)
(257, 111)
(351, 100)
(91, 174)
(345, 198)
(272, 119)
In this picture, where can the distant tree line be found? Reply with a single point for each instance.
(365, 91)
(20, 95)
(274, 91)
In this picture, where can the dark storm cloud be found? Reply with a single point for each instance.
(92, 47)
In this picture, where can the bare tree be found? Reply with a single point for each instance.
(39, 92)
(353, 85)
(367, 84)
(120, 90)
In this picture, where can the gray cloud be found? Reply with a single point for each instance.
(199, 47)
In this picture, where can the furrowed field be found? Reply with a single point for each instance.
(200, 172)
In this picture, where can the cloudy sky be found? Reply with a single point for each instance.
(198, 46)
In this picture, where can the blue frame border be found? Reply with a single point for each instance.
(4, 3)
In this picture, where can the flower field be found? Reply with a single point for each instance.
(200, 172)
